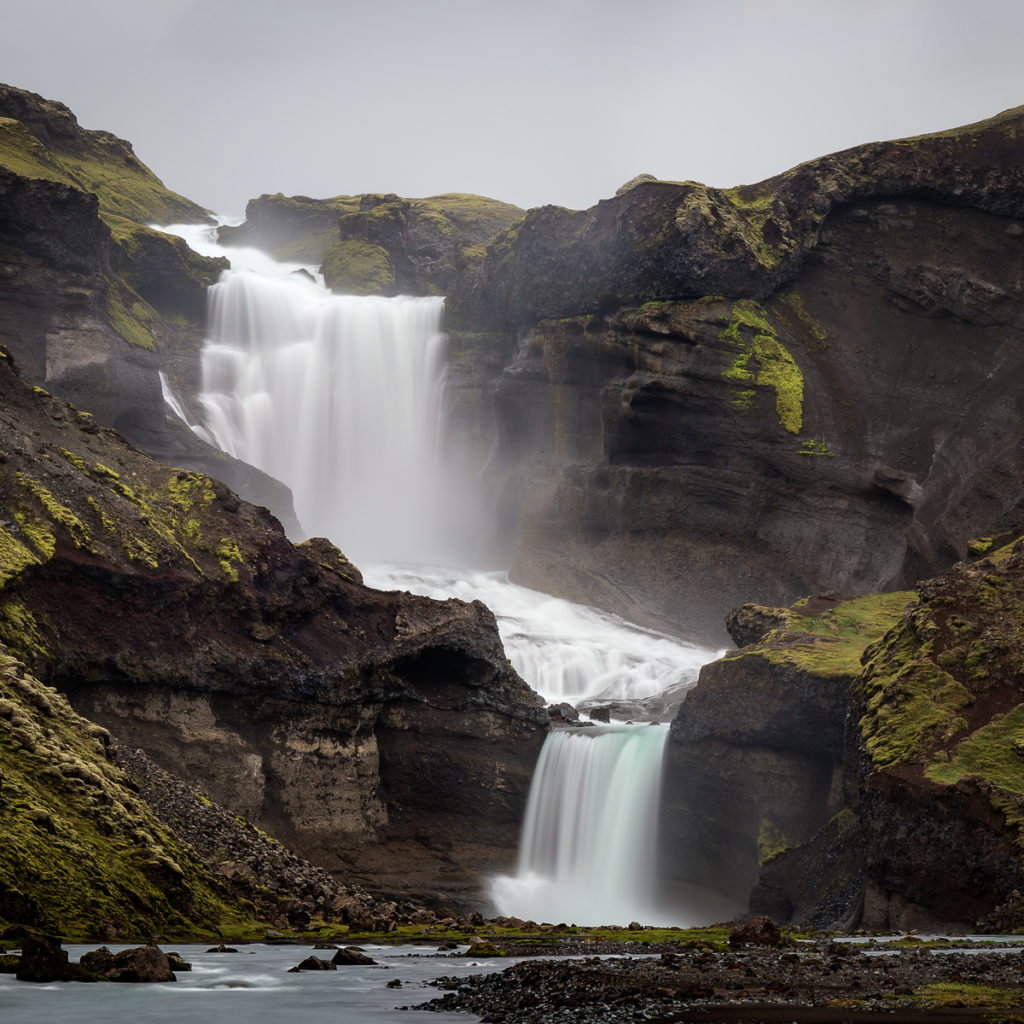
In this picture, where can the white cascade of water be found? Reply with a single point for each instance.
(565, 651)
(587, 854)
(339, 397)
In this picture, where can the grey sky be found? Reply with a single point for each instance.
(531, 102)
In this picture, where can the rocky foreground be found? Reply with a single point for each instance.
(830, 981)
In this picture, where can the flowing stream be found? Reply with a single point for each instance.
(341, 398)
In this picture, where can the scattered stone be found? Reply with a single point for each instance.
(222, 949)
(480, 948)
(313, 963)
(395, 983)
(178, 962)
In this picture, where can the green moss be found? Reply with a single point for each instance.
(762, 361)
(58, 513)
(99, 163)
(15, 557)
(20, 632)
(357, 268)
(816, 330)
(230, 557)
(130, 316)
(744, 216)
(994, 752)
(816, 446)
(833, 643)
(38, 533)
(961, 993)
(771, 842)
(81, 850)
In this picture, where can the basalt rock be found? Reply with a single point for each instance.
(376, 734)
(720, 396)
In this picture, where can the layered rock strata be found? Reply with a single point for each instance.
(93, 302)
(718, 396)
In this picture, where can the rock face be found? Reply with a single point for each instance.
(381, 734)
(376, 244)
(844, 784)
(722, 396)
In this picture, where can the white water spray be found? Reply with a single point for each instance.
(565, 651)
(339, 397)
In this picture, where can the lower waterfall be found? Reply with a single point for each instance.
(587, 854)
(341, 397)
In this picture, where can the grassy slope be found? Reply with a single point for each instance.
(82, 855)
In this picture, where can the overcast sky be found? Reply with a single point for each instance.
(529, 101)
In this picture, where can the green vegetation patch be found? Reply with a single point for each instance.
(357, 268)
(771, 842)
(762, 361)
(130, 316)
(20, 631)
(81, 852)
(230, 557)
(962, 993)
(59, 514)
(15, 557)
(833, 642)
(994, 752)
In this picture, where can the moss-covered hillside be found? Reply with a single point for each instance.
(81, 854)
(862, 761)
(943, 692)
(377, 244)
(41, 138)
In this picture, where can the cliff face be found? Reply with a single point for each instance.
(720, 396)
(842, 782)
(372, 732)
(83, 855)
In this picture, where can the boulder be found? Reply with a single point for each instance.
(350, 956)
(761, 931)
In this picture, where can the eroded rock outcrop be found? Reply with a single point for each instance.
(382, 734)
(82, 853)
(95, 304)
(376, 244)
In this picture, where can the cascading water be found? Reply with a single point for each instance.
(340, 397)
(587, 854)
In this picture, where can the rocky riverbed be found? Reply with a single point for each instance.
(826, 981)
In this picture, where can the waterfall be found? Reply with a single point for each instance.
(341, 397)
(587, 854)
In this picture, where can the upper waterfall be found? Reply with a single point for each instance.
(338, 396)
